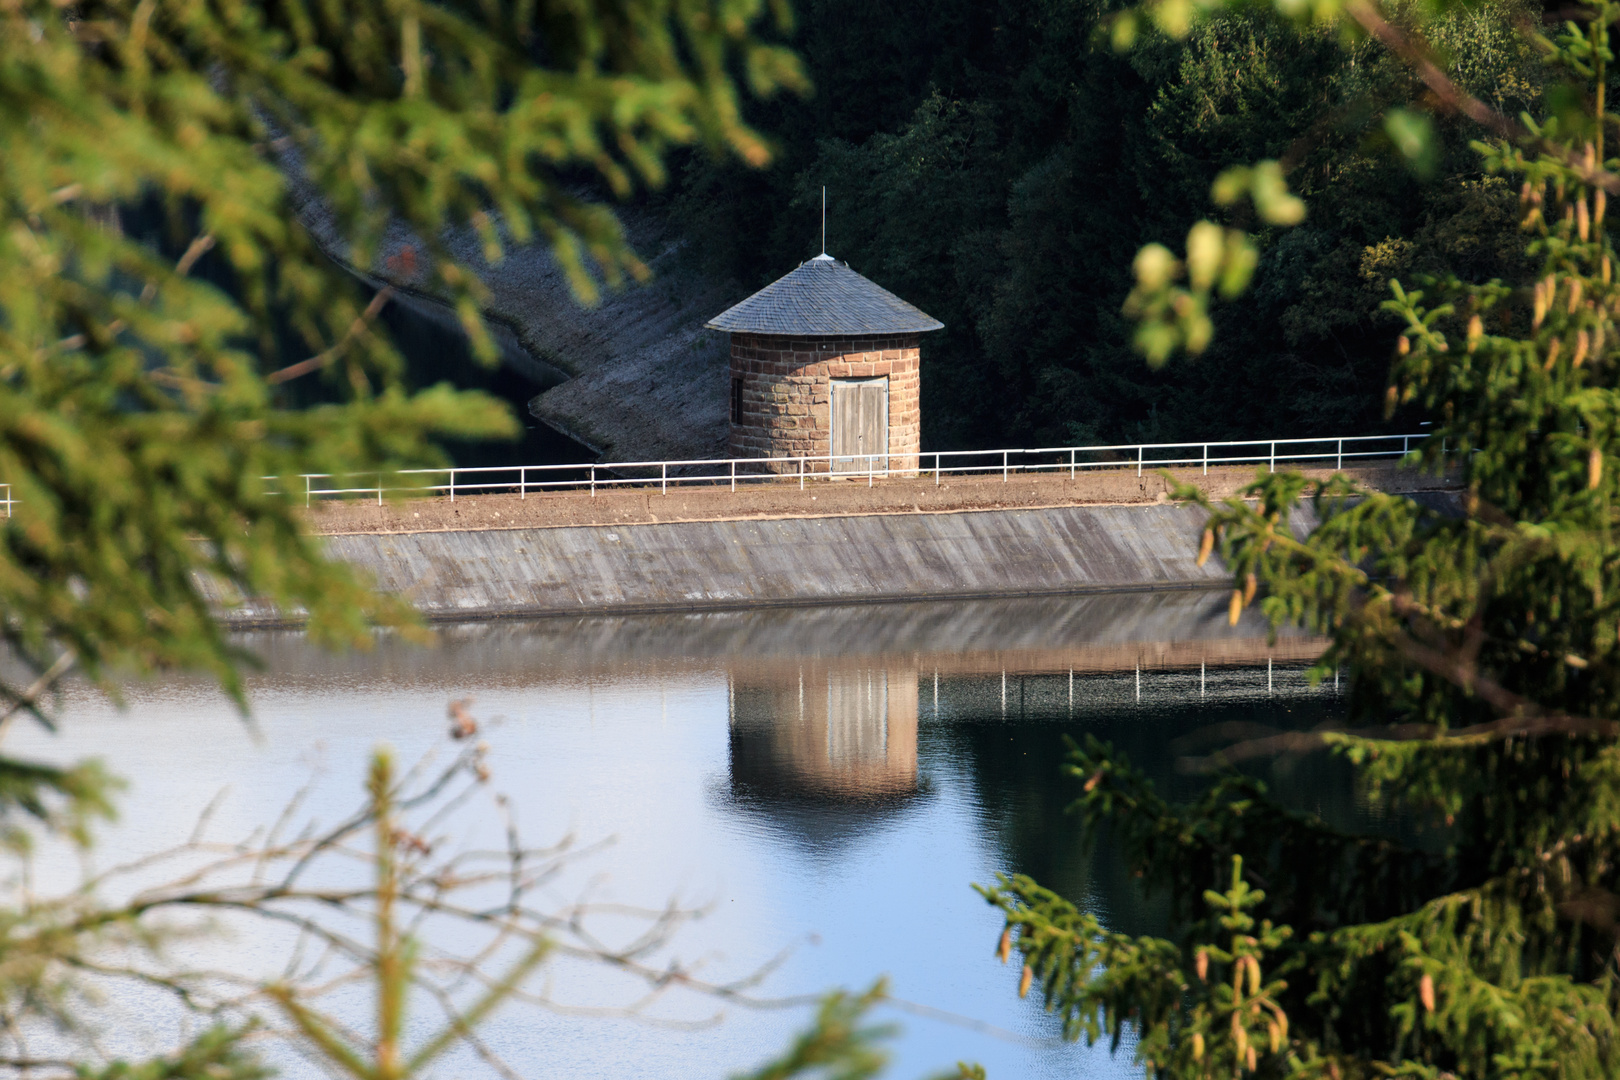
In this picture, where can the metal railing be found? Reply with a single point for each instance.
(524, 479)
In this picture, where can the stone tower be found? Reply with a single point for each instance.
(824, 372)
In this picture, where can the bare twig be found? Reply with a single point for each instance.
(1450, 94)
(28, 700)
(499, 936)
(194, 251)
(207, 815)
(197, 249)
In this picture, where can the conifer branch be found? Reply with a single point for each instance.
(28, 700)
(1453, 97)
(325, 357)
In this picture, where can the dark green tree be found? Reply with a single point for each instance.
(1481, 641)
(1037, 161)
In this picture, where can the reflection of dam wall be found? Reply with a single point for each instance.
(1096, 632)
(840, 730)
(846, 730)
(719, 565)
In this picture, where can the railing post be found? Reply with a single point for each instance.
(1139, 459)
(1004, 466)
(523, 483)
(663, 478)
(452, 485)
(1206, 459)
(733, 474)
(379, 489)
(871, 466)
(1338, 461)
(1071, 464)
(1271, 466)
(593, 479)
(306, 490)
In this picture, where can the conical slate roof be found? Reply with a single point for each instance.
(824, 297)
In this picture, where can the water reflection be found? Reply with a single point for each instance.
(822, 751)
(1009, 734)
(837, 773)
(1098, 632)
(823, 731)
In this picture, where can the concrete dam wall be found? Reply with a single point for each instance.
(718, 565)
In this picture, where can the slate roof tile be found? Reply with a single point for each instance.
(824, 297)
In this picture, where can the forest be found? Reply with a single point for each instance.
(999, 164)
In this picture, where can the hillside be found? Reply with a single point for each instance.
(635, 377)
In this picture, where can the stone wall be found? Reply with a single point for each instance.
(697, 566)
(787, 395)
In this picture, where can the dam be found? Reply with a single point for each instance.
(495, 554)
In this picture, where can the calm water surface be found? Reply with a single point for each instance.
(828, 781)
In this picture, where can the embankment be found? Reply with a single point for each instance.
(723, 564)
(632, 550)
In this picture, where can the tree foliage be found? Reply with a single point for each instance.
(1037, 161)
(180, 184)
(175, 177)
(217, 1054)
(1481, 640)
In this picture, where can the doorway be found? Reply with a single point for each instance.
(857, 717)
(860, 425)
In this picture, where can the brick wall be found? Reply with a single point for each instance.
(786, 399)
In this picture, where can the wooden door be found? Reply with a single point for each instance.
(860, 424)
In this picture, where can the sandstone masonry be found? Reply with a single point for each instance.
(782, 395)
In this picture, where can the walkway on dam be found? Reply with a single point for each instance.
(821, 497)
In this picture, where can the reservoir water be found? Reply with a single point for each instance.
(826, 782)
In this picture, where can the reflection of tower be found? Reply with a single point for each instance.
(840, 730)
